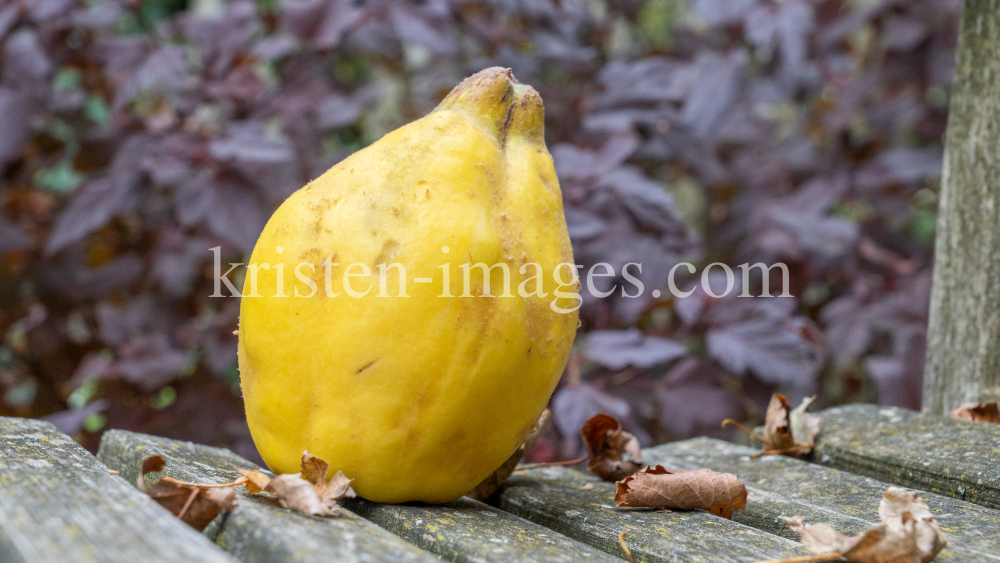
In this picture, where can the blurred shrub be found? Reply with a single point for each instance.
(139, 134)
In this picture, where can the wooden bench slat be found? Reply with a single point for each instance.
(59, 503)
(921, 451)
(466, 530)
(258, 530)
(782, 486)
(555, 497)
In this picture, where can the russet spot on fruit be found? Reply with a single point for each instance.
(417, 398)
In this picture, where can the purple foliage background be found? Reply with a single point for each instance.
(137, 135)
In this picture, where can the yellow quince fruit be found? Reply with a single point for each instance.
(369, 337)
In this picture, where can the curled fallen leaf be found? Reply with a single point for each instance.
(149, 464)
(786, 430)
(614, 453)
(704, 489)
(195, 503)
(492, 484)
(257, 481)
(977, 412)
(296, 493)
(315, 469)
(908, 533)
(308, 492)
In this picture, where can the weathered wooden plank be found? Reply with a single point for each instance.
(581, 506)
(258, 530)
(462, 531)
(59, 503)
(921, 451)
(782, 486)
(963, 359)
(470, 531)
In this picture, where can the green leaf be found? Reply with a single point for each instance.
(96, 110)
(67, 78)
(83, 394)
(166, 397)
(656, 21)
(61, 178)
(94, 422)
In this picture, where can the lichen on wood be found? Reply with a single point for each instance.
(258, 530)
(782, 486)
(581, 506)
(922, 451)
(59, 503)
(963, 359)
(468, 530)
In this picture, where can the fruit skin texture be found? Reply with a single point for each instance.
(417, 398)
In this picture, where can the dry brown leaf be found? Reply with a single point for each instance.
(315, 469)
(658, 487)
(308, 492)
(195, 504)
(977, 412)
(786, 430)
(777, 432)
(614, 453)
(908, 533)
(821, 538)
(296, 493)
(149, 464)
(339, 486)
(257, 481)
(899, 507)
(492, 484)
(804, 426)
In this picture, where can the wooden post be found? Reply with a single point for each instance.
(963, 340)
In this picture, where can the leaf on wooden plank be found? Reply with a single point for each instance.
(777, 431)
(574, 404)
(296, 493)
(339, 486)
(614, 453)
(149, 464)
(308, 492)
(315, 469)
(977, 412)
(704, 489)
(820, 538)
(804, 426)
(195, 504)
(257, 481)
(908, 533)
(901, 508)
(492, 484)
(786, 430)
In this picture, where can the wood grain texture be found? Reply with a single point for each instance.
(59, 503)
(927, 452)
(556, 497)
(783, 486)
(469, 531)
(258, 530)
(465, 530)
(963, 359)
